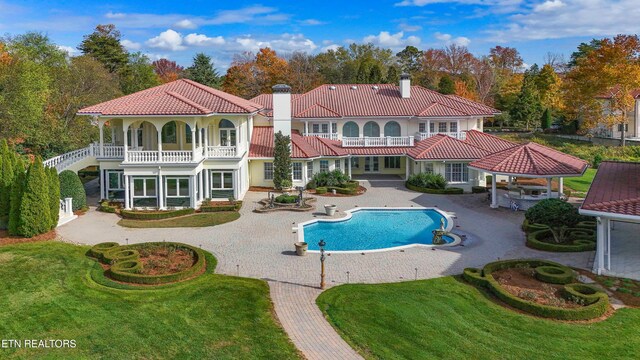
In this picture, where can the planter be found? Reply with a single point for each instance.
(301, 248)
(330, 210)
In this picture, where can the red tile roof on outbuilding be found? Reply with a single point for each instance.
(180, 97)
(443, 147)
(531, 159)
(488, 142)
(307, 147)
(615, 189)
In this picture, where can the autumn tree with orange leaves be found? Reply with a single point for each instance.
(167, 70)
(250, 76)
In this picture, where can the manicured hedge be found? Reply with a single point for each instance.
(344, 191)
(99, 249)
(210, 208)
(593, 307)
(528, 227)
(155, 215)
(286, 199)
(119, 255)
(106, 207)
(71, 186)
(448, 191)
(582, 243)
(321, 190)
(128, 270)
(555, 275)
(478, 189)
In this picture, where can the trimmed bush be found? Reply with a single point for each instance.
(528, 227)
(587, 225)
(311, 185)
(453, 190)
(321, 190)
(591, 309)
(428, 181)
(448, 191)
(7, 177)
(555, 275)
(71, 186)
(35, 215)
(344, 190)
(155, 215)
(478, 189)
(534, 242)
(554, 213)
(128, 266)
(286, 199)
(216, 208)
(119, 255)
(583, 293)
(106, 207)
(98, 250)
(17, 190)
(54, 195)
(332, 178)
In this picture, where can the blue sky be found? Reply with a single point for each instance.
(178, 29)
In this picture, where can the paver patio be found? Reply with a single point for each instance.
(261, 246)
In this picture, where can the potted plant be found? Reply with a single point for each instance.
(301, 248)
(330, 209)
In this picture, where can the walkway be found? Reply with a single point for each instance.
(261, 246)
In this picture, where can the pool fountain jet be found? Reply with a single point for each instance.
(438, 233)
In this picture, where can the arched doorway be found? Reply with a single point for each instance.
(392, 128)
(371, 129)
(350, 129)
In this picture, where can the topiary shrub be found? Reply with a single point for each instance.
(119, 255)
(534, 241)
(286, 199)
(555, 274)
(311, 185)
(35, 214)
(428, 181)
(282, 161)
(334, 178)
(556, 214)
(71, 186)
(97, 250)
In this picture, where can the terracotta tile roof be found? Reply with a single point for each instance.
(180, 97)
(301, 148)
(615, 189)
(531, 159)
(608, 94)
(488, 142)
(266, 101)
(317, 111)
(443, 147)
(382, 150)
(378, 100)
(326, 147)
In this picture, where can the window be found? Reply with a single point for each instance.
(432, 127)
(315, 128)
(221, 184)
(355, 162)
(350, 129)
(422, 127)
(178, 193)
(453, 127)
(324, 165)
(309, 170)
(428, 168)
(227, 133)
(392, 162)
(626, 127)
(296, 170)
(115, 184)
(334, 128)
(145, 192)
(169, 133)
(371, 129)
(187, 133)
(337, 164)
(456, 172)
(325, 128)
(442, 127)
(268, 171)
(392, 128)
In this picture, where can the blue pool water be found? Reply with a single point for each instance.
(374, 229)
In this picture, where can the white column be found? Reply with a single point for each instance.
(560, 186)
(103, 190)
(125, 141)
(494, 192)
(207, 183)
(428, 127)
(134, 136)
(200, 186)
(159, 144)
(193, 143)
(101, 127)
(549, 188)
(161, 197)
(236, 190)
(349, 167)
(600, 245)
(457, 128)
(406, 165)
(127, 193)
(206, 141)
(608, 230)
(510, 180)
(113, 134)
(192, 193)
(306, 127)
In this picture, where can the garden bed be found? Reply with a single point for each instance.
(6, 239)
(445, 191)
(308, 205)
(625, 290)
(340, 192)
(521, 282)
(580, 238)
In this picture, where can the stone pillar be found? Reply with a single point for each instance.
(349, 167)
(200, 186)
(192, 193)
(600, 245)
(125, 141)
(494, 192)
(193, 143)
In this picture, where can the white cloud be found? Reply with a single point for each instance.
(463, 2)
(394, 41)
(112, 15)
(246, 15)
(69, 50)
(448, 39)
(130, 45)
(554, 19)
(284, 43)
(330, 47)
(185, 24)
(203, 40)
(167, 40)
(312, 22)
(409, 28)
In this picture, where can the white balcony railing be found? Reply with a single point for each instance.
(222, 151)
(142, 156)
(110, 151)
(388, 141)
(460, 135)
(330, 136)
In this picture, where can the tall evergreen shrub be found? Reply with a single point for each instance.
(71, 186)
(6, 179)
(35, 216)
(282, 161)
(17, 190)
(54, 195)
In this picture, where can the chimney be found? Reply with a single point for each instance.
(405, 86)
(282, 109)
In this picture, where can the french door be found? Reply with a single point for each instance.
(371, 164)
(227, 137)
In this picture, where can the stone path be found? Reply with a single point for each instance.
(261, 246)
(298, 313)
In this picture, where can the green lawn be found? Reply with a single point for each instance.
(195, 220)
(582, 183)
(46, 294)
(447, 319)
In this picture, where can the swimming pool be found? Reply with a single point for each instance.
(377, 229)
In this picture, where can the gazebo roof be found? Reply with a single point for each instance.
(615, 189)
(531, 160)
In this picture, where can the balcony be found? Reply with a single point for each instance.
(169, 156)
(330, 136)
(460, 135)
(222, 152)
(388, 141)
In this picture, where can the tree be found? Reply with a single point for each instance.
(250, 76)
(546, 119)
(167, 70)
(17, 190)
(35, 213)
(556, 214)
(103, 44)
(137, 74)
(465, 90)
(446, 85)
(38, 48)
(203, 71)
(506, 59)
(282, 161)
(71, 187)
(393, 75)
(53, 184)
(484, 78)
(549, 85)
(410, 59)
(527, 108)
(584, 49)
(6, 179)
(303, 73)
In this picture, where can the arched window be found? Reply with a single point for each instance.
(350, 129)
(169, 133)
(392, 128)
(224, 123)
(371, 129)
(227, 133)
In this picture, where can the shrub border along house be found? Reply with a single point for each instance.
(125, 264)
(155, 215)
(595, 301)
(445, 191)
(583, 237)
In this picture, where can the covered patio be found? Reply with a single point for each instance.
(614, 199)
(530, 160)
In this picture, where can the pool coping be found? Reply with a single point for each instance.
(349, 215)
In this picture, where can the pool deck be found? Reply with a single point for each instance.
(261, 246)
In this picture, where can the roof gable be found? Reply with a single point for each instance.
(442, 147)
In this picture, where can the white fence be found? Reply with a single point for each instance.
(460, 135)
(388, 141)
(331, 136)
(60, 162)
(222, 151)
